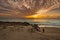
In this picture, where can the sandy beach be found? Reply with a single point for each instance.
(22, 32)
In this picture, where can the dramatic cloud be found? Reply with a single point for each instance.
(22, 8)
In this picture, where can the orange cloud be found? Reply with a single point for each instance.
(54, 15)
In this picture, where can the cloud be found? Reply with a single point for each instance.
(21, 8)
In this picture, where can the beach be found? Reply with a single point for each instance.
(22, 32)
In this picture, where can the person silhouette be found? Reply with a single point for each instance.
(43, 30)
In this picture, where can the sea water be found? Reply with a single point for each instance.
(43, 22)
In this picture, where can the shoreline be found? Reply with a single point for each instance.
(18, 31)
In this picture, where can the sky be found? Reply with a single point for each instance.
(16, 9)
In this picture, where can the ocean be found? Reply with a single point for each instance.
(43, 22)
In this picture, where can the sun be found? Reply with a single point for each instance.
(32, 16)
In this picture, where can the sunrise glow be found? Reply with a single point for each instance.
(42, 13)
(39, 14)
